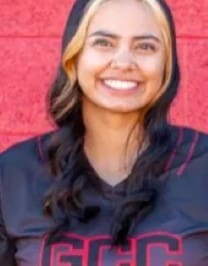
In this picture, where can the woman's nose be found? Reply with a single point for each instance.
(124, 60)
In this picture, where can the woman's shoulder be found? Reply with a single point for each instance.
(189, 147)
(24, 160)
(190, 138)
(26, 150)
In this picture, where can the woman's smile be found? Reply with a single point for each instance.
(120, 84)
(120, 87)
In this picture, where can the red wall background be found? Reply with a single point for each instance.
(30, 35)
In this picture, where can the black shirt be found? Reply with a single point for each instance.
(174, 233)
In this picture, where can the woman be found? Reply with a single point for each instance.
(115, 184)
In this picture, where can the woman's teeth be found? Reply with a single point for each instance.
(120, 84)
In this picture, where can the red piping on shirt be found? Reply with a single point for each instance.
(182, 168)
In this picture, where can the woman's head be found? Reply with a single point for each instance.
(93, 60)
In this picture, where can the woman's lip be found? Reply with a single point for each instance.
(122, 79)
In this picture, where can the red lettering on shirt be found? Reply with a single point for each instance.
(152, 249)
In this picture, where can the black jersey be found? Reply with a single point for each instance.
(174, 233)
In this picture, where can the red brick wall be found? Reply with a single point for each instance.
(30, 34)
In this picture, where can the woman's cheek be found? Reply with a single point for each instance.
(152, 68)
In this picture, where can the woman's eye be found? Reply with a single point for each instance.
(103, 43)
(146, 47)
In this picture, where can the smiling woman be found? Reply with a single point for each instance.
(104, 187)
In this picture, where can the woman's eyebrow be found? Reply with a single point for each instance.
(114, 36)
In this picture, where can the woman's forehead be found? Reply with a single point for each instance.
(125, 18)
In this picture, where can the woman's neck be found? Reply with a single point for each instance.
(111, 142)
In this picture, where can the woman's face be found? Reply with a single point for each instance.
(121, 65)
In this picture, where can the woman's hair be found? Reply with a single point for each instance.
(64, 150)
